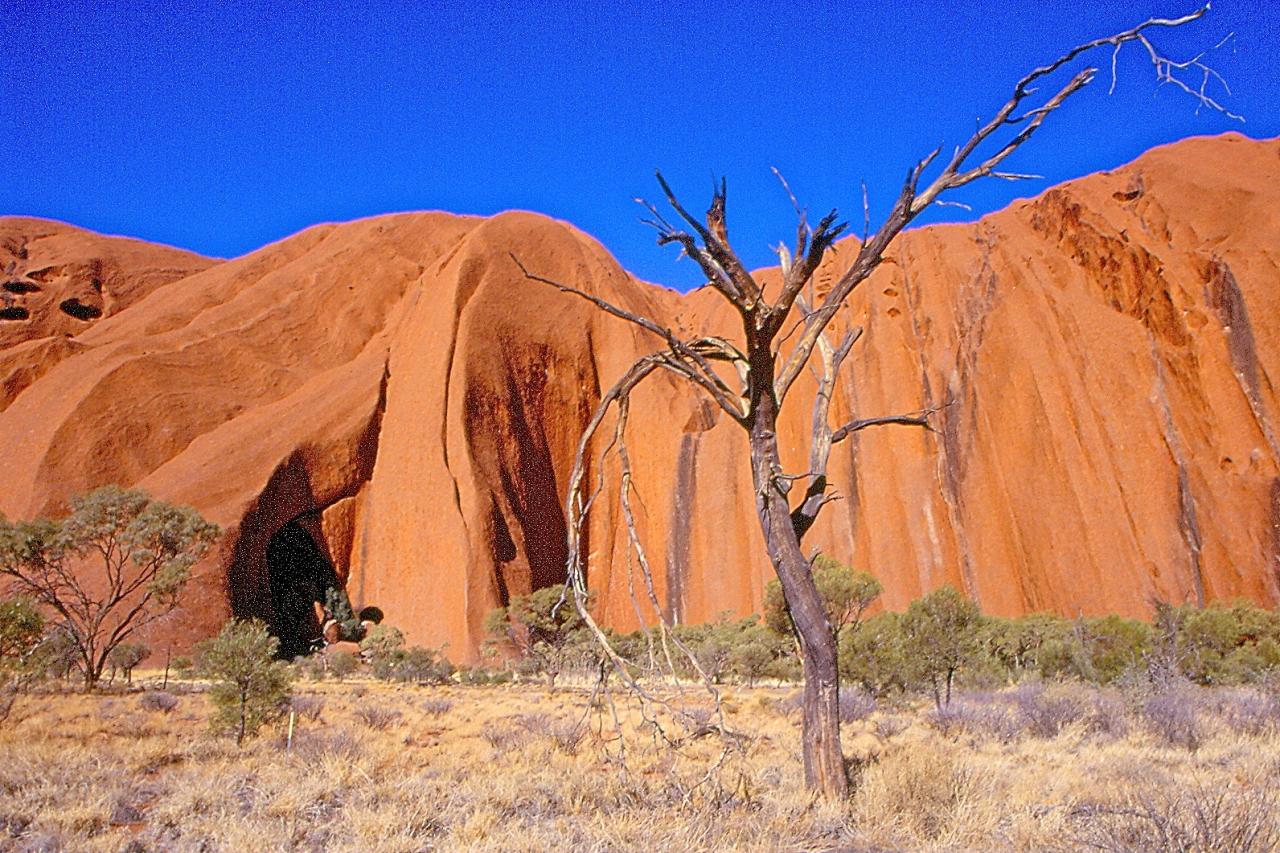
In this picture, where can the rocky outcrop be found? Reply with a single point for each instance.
(396, 389)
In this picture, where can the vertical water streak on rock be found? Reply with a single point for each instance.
(1190, 528)
(960, 402)
(1188, 524)
(681, 523)
(1227, 301)
(920, 338)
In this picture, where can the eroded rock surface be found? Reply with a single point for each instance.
(1103, 354)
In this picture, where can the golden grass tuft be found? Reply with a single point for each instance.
(516, 768)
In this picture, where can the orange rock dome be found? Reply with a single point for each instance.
(392, 401)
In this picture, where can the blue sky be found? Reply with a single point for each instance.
(220, 127)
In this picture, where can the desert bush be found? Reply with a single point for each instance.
(55, 656)
(317, 745)
(391, 660)
(846, 594)
(377, 717)
(436, 707)
(856, 704)
(183, 665)
(565, 734)
(1239, 816)
(312, 667)
(758, 652)
(1173, 718)
(1106, 715)
(307, 707)
(1111, 645)
(979, 715)
(21, 629)
(505, 733)
(1227, 642)
(124, 658)
(1247, 711)
(250, 686)
(544, 635)
(342, 664)
(874, 654)
(158, 700)
(1045, 713)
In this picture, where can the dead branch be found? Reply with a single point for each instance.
(766, 377)
(957, 173)
(685, 359)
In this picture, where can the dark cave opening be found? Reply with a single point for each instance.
(300, 574)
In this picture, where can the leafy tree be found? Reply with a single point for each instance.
(124, 658)
(941, 634)
(250, 686)
(874, 654)
(21, 630)
(846, 594)
(542, 631)
(1019, 646)
(114, 565)
(1112, 645)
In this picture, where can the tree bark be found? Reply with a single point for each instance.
(820, 732)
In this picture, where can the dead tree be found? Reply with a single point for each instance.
(751, 379)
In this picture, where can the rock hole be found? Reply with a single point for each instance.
(300, 574)
(893, 312)
(21, 286)
(75, 308)
(14, 312)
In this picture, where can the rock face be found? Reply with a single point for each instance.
(395, 393)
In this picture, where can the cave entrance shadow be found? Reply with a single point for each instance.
(299, 573)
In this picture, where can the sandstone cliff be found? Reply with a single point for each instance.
(395, 389)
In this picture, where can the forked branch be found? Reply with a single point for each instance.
(959, 172)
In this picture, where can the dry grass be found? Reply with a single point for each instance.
(515, 768)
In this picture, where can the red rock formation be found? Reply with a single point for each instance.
(57, 280)
(394, 385)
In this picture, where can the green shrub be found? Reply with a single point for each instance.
(875, 654)
(941, 633)
(250, 686)
(1227, 643)
(342, 664)
(124, 658)
(391, 660)
(21, 630)
(846, 594)
(542, 633)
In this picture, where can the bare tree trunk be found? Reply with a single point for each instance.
(820, 733)
(751, 386)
